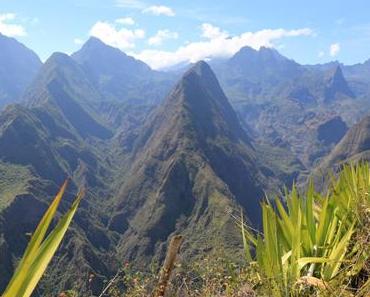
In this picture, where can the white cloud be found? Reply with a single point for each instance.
(125, 21)
(135, 4)
(211, 32)
(145, 8)
(218, 44)
(334, 49)
(78, 41)
(7, 26)
(162, 35)
(160, 10)
(122, 38)
(321, 54)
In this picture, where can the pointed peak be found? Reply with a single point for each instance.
(202, 73)
(95, 52)
(266, 49)
(200, 68)
(336, 83)
(271, 52)
(58, 64)
(337, 68)
(263, 54)
(96, 43)
(335, 72)
(58, 56)
(58, 59)
(246, 50)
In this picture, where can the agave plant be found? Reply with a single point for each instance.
(312, 239)
(40, 250)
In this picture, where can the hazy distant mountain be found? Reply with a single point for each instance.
(18, 66)
(119, 76)
(192, 164)
(62, 86)
(336, 85)
(266, 65)
(277, 98)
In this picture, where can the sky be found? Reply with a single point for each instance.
(165, 33)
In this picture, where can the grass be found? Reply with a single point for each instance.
(13, 181)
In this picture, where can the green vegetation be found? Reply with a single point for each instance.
(311, 245)
(13, 181)
(40, 250)
(319, 243)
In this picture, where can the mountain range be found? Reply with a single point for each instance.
(161, 153)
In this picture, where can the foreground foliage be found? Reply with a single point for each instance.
(318, 243)
(311, 244)
(40, 250)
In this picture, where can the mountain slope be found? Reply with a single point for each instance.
(283, 102)
(18, 66)
(63, 88)
(355, 145)
(59, 134)
(192, 164)
(265, 64)
(41, 152)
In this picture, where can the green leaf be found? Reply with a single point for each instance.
(39, 251)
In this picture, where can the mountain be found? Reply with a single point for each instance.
(336, 85)
(119, 76)
(355, 145)
(192, 163)
(332, 131)
(282, 102)
(62, 86)
(266, 64)
(18, 66)
(39, 151)
(160, 158)
(58, 133)
(129, 88)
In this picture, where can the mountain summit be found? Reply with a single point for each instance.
(336, 85)
(265, 63)
(192, 164)
(112, 71)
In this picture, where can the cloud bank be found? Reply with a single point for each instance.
(113, 35)
(161, 36)
(217, 43)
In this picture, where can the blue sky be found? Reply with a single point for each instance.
(164, 33)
